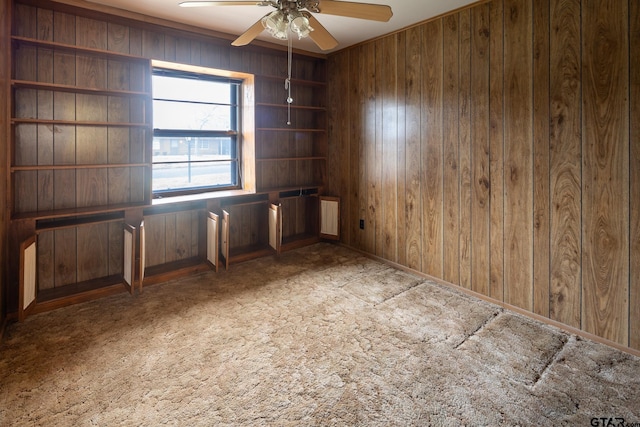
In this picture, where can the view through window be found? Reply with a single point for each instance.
(195, 132)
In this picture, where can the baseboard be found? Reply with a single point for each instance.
(521, 311)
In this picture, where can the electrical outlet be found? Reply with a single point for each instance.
(362, 224)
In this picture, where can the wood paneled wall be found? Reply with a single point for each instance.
(171, 237)
(498, 149)
(5, 92)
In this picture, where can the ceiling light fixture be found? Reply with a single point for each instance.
(279, 24)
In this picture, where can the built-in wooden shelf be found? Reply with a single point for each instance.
(77, 49)
(275, 159)
(293, 106)
(19, 120)
(77, 89)
(70, 212)
(73, 167)
(291, 130)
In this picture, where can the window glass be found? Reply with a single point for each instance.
(195, 132)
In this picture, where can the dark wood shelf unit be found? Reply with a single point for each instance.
(19, 40)
(19, 121)
(53, 87)
(73, 212)
(67, 167)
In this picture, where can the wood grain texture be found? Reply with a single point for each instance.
(377, 168)
(496, 148)
(565, 157)
(464, 134)
(389, 148)
(401, 155)
(155, 237)
(634, 168)
(431, 149)
(46, 260)
(356, 169)
(543, 187)
(93, 251)
(541, 191)
(518, 226)
(65, 257)
(413, 199)
(605, 172)
(451, 178)
(373, 169)
(480, 172)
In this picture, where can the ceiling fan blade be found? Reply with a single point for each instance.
(248, 36)
(320, 35)
(373, 12)
(218, 3)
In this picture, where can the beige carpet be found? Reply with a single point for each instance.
(319, 336)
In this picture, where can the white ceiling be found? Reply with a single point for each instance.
(235, 20)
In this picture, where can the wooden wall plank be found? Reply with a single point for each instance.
(518, 226)
(117, 37)
(464, 134)
(451, 175)
(541, 192)
(46, 260)
(356, 170)
(605, 172)
(389, 142)
(565, 157)
(480, 174)
(339, 147)
(65, 257)
(431, 148)
(496, 149)
(91, 187)
(155, 238)
(170, 234)
(413, 136)
(183, 248)
(93, 250)
(401, 154)
(634, 168)
(115, 248)
(376, 185)
(372, 171)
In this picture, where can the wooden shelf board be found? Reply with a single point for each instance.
(17, 121)
(291, 188)
(246, 253)
(275, 159)
(75, 89)
(62, 213)
(293, 106)
(50, 299)
(171, 270)
(67, 167)
(298, 241)
(289, 130)
(294, 81)
(78, 49)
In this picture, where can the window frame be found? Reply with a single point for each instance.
(238, 81)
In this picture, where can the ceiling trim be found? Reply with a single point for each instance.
(141, 19)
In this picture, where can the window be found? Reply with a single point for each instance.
(196, 131)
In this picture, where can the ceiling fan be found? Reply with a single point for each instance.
(296, 16)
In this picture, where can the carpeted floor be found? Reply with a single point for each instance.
(318, 336)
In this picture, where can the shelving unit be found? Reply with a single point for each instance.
(79, 162)
(80, 159)
(81, 120)
(290, 155)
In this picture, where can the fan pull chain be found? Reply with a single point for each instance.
(287, 82)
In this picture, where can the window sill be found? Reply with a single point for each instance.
(200, 196)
